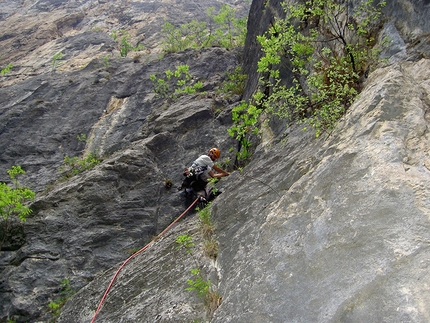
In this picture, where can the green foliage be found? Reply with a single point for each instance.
(6, 69)
(229, 31)
(212, 182)
(12, 199)
(210, 245)
(223, 29)
(328, 48)
(173, 84)
(82, 137)
(106, 63)
(245, 117)
(56, 60)
(205, 214)
(65, 293)
(186, 242)
(211, 298)
(125, 47)
(189, 35)
(226, 163)
(327, 57)
(200, 285)
(75, 165)
(123, 38)
(235, 83)
(206, 225)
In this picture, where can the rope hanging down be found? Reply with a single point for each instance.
(134, 255)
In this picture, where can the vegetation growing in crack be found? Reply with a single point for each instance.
(75, 165)
(123, 39)
(173, 84)
(6, 69)
(235, 82)
(223, 30)
(55, 62)
(199, 284)
(328, 48)
(65, 292)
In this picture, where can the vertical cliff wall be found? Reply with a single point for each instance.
(334, 229)
(327, 230)
(92, 100)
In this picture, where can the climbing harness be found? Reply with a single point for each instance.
(135, 254)
(192, 181)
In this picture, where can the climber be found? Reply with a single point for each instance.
(198, 174)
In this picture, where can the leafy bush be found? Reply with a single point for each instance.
(229, 31)
(124, 45)
(212, 299)
(245, 118)
(206, 225)
(186, 242)
(75, 165)
(235, 83)
(199, 284)
(13, 204)
(328, 48)
(223, 30)
(181, 79)
(12, 199)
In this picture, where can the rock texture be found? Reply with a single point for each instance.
(334, 229)
(329, 230)
(94, 220)
(339, 230)
(34, 31)
(142, 138)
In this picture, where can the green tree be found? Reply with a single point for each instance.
(173, 38)
(235, 82)
(230, 31)
(186, 242)
(203, 287)
(328, 47)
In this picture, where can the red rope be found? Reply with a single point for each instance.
(134, 255)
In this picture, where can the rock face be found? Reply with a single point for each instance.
(143, 140)
(338, 231)
(329, 230)
(334, 229)
(94, 220)
(34, 31)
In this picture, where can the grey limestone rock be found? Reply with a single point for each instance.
(328, 229)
